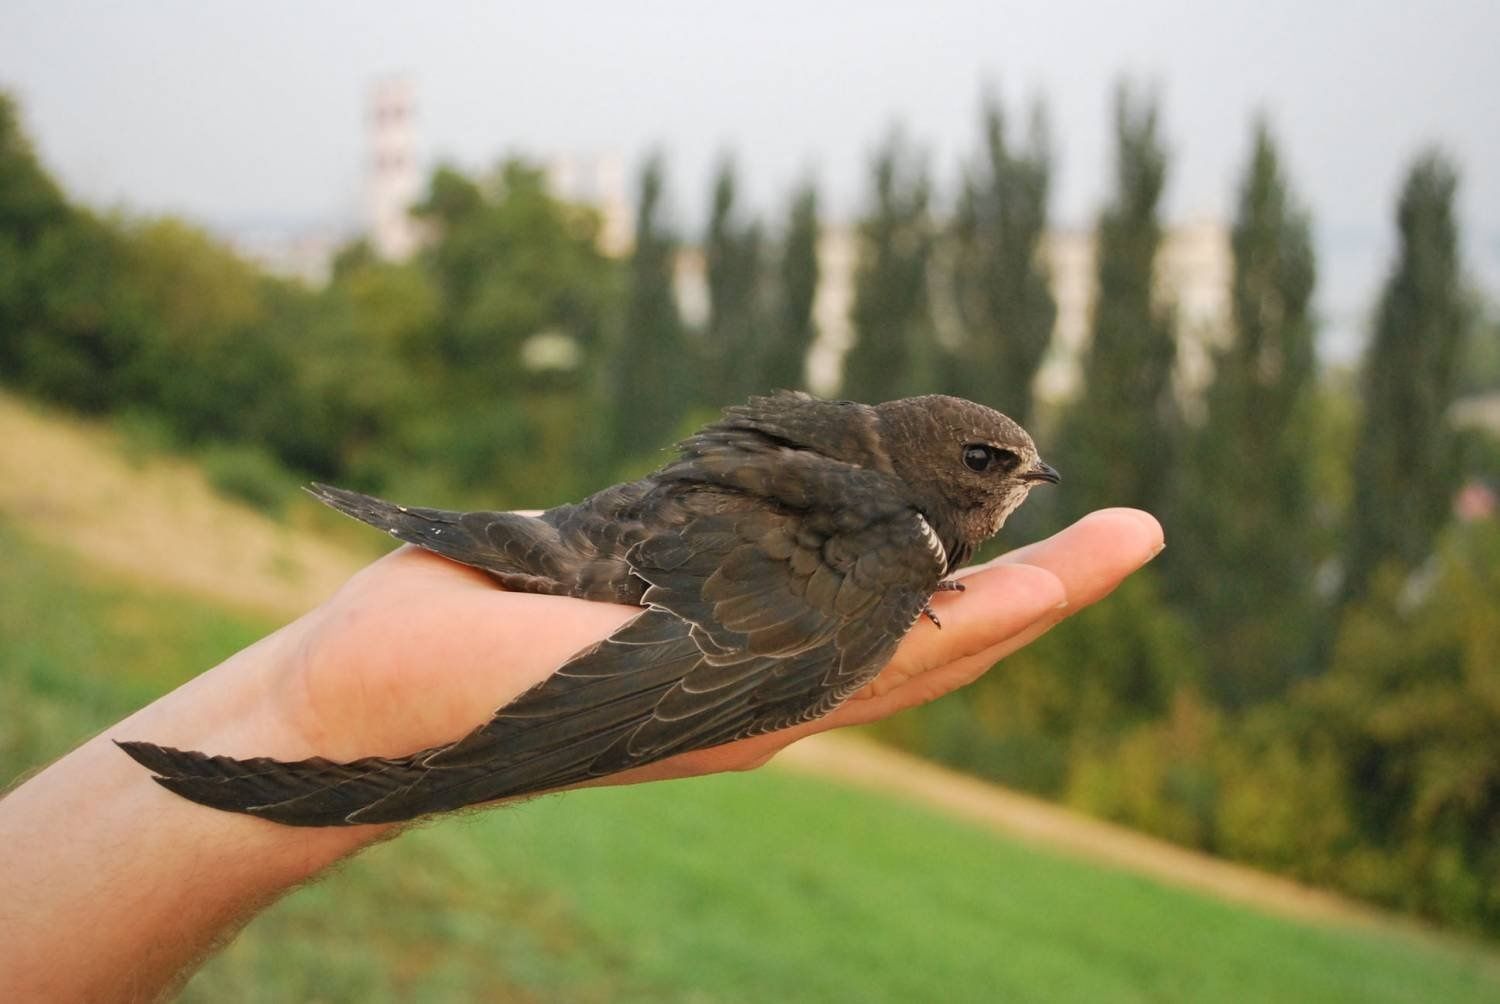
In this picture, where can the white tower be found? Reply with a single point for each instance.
(392, 178)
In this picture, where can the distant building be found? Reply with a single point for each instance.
(393, 179)
(1194, 273)
(835, 297)
(598, 181)
(1477, 411)
(690, 286)
(838, 254)
(304, 254)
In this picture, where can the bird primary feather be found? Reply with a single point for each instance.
(779, 560)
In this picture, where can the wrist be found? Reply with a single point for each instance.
(159, 879)
(248, 706)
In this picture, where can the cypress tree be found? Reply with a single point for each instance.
(1118, 434)
(733, 262)
(1250, 551)
(893, 353)
(652, 380)
(790, 336)
(1404, 463)
(1000, 280)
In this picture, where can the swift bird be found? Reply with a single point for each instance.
(779, 561)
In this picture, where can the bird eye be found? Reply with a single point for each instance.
(981, 457)
(978, 457)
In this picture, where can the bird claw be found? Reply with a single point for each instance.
(945, 586)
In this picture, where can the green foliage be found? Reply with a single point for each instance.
(893, 349)
(510, 262)
(1404, 463)
(1119, 436)
(792, 329)
(1479, 372)
(33, 219)
(1154, 776)
(652, 377)
(206, 361)
(1000, 280)
(30, 201)
(733, 253)
(250, 474)
(1412, 705)
(1246, 515)
(391, 368)
(72, 332)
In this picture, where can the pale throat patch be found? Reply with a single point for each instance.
(934, 545)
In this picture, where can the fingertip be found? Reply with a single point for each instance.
(1140, 526)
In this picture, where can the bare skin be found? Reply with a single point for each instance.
(113, 889)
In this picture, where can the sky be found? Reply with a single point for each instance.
(250, 116)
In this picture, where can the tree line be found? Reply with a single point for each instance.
(1305, 679)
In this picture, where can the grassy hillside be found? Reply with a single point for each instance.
(116, 500)
(745, 888)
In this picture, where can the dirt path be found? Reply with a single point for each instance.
(158, 521)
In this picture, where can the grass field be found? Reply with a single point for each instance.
(746, 888)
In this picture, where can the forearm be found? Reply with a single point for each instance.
(111, 887)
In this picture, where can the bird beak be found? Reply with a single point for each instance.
(1042, 472)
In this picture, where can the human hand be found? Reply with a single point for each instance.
(416, 650)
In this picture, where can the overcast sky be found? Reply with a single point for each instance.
(250, 114)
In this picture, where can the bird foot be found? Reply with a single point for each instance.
(945, 586)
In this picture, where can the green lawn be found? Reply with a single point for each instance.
(767, 886)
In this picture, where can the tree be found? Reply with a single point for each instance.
(653, 382)
(30, 200)
(70, 326)
(39, 232)
(1250, 541)
(790, 334)
(1118, 435)
(524, 294)
(1000, 280)
(1410, 706)
(511, 262)
(893, 346)
(1404, 456)
(733, 252)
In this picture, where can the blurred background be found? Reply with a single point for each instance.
(1238, 264)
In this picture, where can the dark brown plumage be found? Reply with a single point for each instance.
(780, 559)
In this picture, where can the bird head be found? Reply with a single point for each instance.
(968, 466)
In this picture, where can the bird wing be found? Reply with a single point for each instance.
(568, 551)
(757, 620)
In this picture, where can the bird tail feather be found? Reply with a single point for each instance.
(518, 550)
(313, 792)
